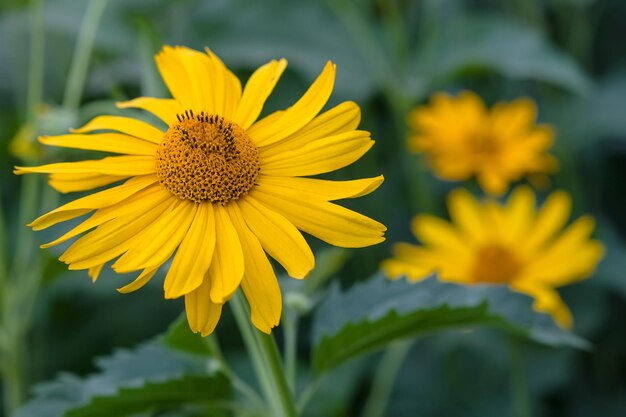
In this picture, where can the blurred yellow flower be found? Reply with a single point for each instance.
(512, 244)
(463, 139)
(216, 189)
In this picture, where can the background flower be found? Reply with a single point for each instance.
(512, 244)
(462, 139)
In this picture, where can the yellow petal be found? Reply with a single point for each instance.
(518, 214)
(432, 231)
(109, 240)
(324, 189)
(170, 64)
(94, 272)
(550, 219)
(227, 266)
(123, 166)
(342, 118)
(165, 109)
(143, 278)
(194, 255)
(301, 113)
(92, 202)
(127, 125)
(225, 87)
(326, 221)
(467, 214)
(156, 243)
(259, 283)
(278, 237)
(257, 90)
(323, 155)
(67, 183)
(202, 313)
(139, 202)
(107, 142)
(547, 301)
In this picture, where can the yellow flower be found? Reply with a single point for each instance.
(215, 188)
(463, 139)
(512, 244)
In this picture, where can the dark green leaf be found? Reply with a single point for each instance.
(151, 377)
(503, 45)
(371, 315)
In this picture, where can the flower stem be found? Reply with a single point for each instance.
(290, 328)
(82, 54)
(384, 378)
(265, 359)
(519, 385)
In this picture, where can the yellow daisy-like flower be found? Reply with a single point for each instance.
(215, 189)
(463, 139)
(512, 244)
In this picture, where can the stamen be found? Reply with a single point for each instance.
(207, 158)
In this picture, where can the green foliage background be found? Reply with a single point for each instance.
(568, 55)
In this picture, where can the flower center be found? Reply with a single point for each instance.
(495, 264)
(207, 158)
(484, 145)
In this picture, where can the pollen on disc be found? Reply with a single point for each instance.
(207, 158)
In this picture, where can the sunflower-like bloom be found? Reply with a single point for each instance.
(214, 189)
(463, 139)
(512, 244)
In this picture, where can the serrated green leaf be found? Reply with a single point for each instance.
(369, 316)
(503, 45)
(151, 377)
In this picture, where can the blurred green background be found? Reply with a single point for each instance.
(568, 55)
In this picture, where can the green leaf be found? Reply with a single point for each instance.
(371, 315)
(180, 337)
(500, 44)
(149, 378)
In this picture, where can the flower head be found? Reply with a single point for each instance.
(463, 139)
(512, 244)
(213, 189)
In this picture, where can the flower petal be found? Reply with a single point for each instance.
(165, 109)
(259, 283)
(139, 202)
(327, 221)
(227, 267)
(551, 218)
(91, 202)
(323, 155)
(325, 189)
(193, 258)
(156, 243)
(257, 90)
(107, 142)
(143, 278)
(202, 313)
(130, 126)
(301, 113)
(278, 237)
(67, 183)
(342, 118)
(126, 165)
(547, 300)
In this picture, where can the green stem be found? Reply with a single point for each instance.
(242, 317)
(385, 377)
(238, 383)
(308, 393)
(519, 385)
(290, 327)
(82, 54)
(272, 356)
